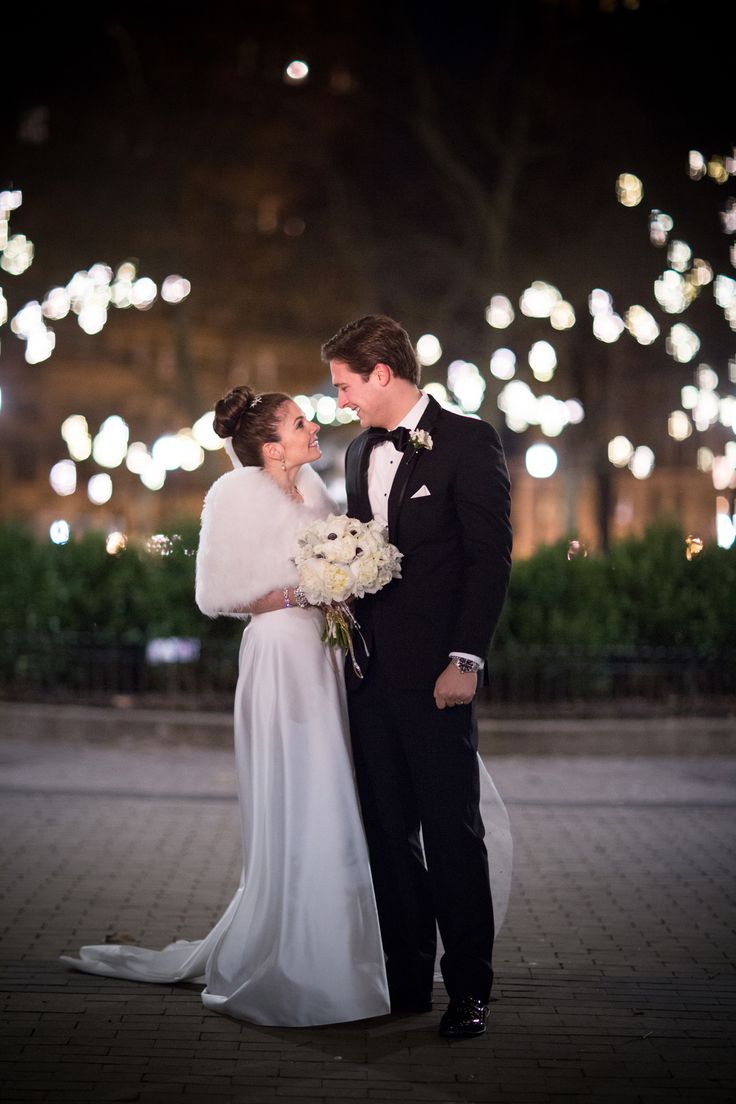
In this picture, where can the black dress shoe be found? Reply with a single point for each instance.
(465, 1016)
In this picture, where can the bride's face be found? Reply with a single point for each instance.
(298, 436)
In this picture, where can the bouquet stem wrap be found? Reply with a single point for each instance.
(338, 632)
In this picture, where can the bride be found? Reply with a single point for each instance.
(299, 944)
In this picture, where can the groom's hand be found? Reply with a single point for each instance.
(454, 687)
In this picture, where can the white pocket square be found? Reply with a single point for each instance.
(422, 492)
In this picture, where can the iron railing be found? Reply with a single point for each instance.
(89, 668)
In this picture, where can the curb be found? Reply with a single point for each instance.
(613, 736)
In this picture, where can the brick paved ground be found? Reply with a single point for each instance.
(614, 971)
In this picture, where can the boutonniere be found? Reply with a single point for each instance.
(420, 439)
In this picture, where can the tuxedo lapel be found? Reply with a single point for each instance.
(408, 463)
(356, 479)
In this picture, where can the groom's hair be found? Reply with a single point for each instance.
(371, 340)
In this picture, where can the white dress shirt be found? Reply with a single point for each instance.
(384, 461)
(382, 466)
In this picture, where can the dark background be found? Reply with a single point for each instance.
(435, 154)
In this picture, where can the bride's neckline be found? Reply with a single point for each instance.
(293, 495)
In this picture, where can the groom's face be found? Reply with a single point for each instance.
(365, 396)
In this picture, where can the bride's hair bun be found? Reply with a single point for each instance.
(250, 419)
(230, 409)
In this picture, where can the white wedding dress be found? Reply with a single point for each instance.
(299, 944)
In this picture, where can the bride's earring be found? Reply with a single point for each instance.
(283, 463)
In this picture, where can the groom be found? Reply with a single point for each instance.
(440, 484)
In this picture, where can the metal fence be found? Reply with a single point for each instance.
(552, 674)
(89, 668)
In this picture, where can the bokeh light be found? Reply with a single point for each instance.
(204, 432)
(600, 302)
(608, 327)
(503, 364)
(116, 542)
(63, 477)
(57, 304)
(620, 451)
(166, 452)
(467, 385)
(682, 343)
(75, 433)
(541, 461)
(59, 531)
(136, 457)
(17, 256)
(539, 299)
(10, 201)
(429, 350)
(679, 255)
(642, 462)
(326, 409)
(111, 443)
(144, 293)
(175, 289)
(296, 71)
(679, 425)
(159, 545)
(575, 411)
(437, 390)
(728, 217)
(693, 546)
(542, 361)
(576, 550)
(562, 316)
(629, 190)
(641, 325)
(499, 312)
(660, 226)
(99, 489)
(152, 474)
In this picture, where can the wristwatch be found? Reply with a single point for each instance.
(467, 666)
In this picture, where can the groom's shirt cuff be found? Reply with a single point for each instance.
(467, 655)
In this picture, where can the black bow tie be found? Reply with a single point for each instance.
(399, 437)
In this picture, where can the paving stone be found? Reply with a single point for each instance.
(615, 970)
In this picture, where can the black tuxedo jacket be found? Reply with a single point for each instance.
(456, 543)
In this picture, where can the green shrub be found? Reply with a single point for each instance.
(643, 593)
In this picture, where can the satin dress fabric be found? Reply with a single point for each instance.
(299, 943)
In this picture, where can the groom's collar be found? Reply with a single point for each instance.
(412, 418)
(430, 414)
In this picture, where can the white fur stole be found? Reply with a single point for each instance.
(248, 536)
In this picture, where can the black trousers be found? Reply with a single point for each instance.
(417, 767)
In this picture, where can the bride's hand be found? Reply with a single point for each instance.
(274, 600)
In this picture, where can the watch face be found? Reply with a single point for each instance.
(468, 666)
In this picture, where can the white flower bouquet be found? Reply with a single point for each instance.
(339, 558)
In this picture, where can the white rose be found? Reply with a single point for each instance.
(313, 582)
(341, 550)
(339, 580)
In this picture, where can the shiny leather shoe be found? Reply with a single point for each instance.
(465, 1017)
